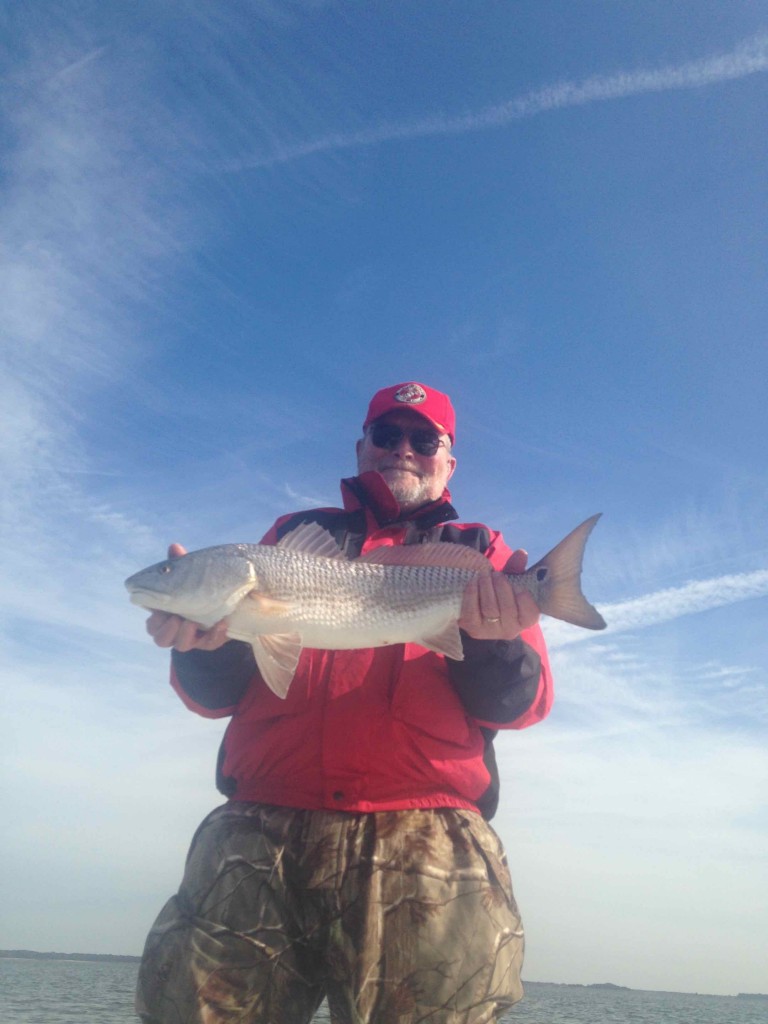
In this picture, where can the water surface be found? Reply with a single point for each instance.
(88, 992)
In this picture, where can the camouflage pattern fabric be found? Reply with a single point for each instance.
(398, 917)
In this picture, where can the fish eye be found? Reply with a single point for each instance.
(541, 574)
(165, 568)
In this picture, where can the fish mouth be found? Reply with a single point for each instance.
(146, 598)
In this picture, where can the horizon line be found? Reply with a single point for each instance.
(131, 957)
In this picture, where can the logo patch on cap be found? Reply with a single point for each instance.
(411, 394)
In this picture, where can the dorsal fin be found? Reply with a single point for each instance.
(311, 539)
(453, 556)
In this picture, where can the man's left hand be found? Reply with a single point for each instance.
(493, 609)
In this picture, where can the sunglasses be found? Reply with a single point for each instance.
(423, 440)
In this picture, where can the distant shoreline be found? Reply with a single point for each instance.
(31, 954)
(663, 992)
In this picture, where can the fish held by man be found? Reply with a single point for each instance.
(303, 592)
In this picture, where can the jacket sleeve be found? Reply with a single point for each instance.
(504, 684)
(212, 683)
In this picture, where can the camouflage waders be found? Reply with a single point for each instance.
(398, 917)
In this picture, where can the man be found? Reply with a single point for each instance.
(353, 858)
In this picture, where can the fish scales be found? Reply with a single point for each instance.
(303, 593)
(336, 594)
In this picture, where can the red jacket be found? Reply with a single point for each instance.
(377, 729)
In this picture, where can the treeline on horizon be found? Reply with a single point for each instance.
(31, 954)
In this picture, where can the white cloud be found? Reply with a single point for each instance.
(749, 58)
(88, 222)
(107, 776)
(665, 605)
(636, 810)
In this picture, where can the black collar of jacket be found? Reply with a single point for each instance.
(369, 490)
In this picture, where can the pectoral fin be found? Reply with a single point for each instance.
(277, 657)
(448, 642)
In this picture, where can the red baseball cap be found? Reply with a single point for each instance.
(432, 405)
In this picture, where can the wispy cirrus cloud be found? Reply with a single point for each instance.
(651, 760)
(667, 604)
(748, 58)
(89, 226)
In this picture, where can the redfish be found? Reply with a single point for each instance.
(303, 592)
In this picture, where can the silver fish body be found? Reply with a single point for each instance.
(304, 593)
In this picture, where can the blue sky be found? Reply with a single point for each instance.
(223, 226)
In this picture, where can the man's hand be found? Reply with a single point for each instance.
(172, 631)
(492, 609)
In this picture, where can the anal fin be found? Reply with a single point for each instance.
(447, 642)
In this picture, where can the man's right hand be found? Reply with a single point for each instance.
(172, 631)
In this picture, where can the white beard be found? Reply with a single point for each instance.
(410, 491)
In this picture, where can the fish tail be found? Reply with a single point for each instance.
(557, 580)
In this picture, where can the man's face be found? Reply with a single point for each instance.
(414, 479)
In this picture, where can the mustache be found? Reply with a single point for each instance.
(401, 466)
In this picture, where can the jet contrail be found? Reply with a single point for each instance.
(749, 58)
(664, 605)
